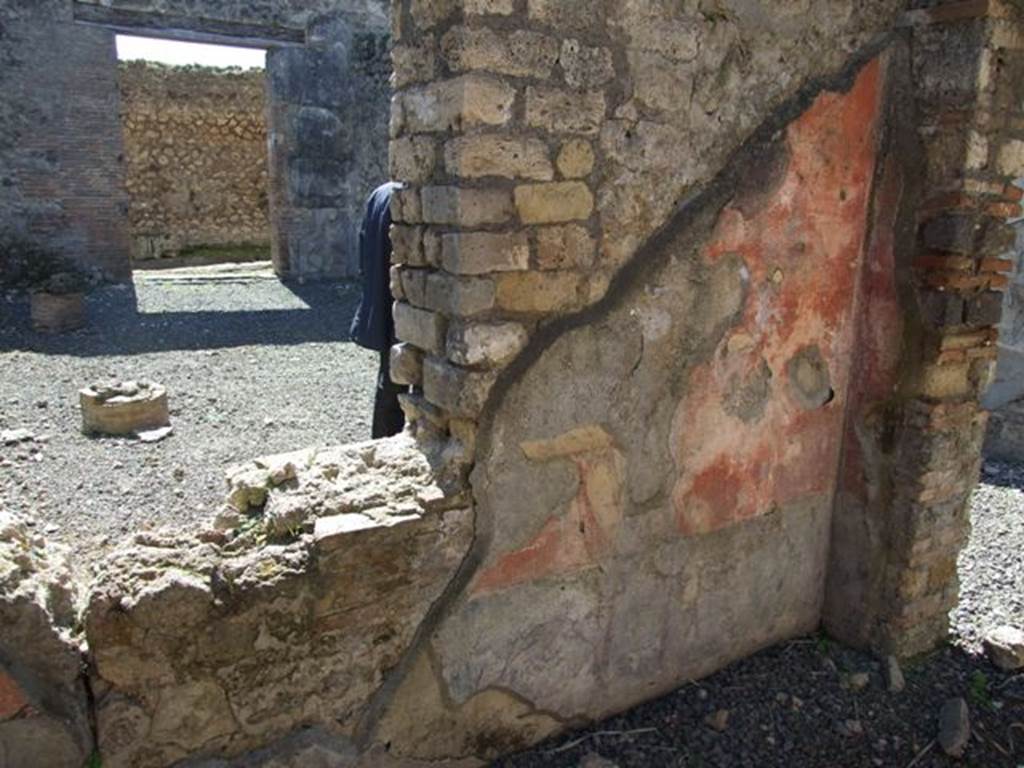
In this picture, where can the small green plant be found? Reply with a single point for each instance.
(823, 643)
(94, 761)
(978, 689)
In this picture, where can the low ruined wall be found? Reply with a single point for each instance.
(287, 615)
(195, 144)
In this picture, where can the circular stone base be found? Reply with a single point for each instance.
(123, 408)
(57, 312)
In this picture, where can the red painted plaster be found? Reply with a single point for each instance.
(811, 232)
(803, 251)
(879, 319)
(575, 539)
(12, 699)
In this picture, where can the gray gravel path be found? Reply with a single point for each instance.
(992, 565)
(252, 366)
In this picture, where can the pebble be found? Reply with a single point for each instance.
(894, 675)
(718, 720)
(849, 728)
(154, 435)
(858, 681)
(954, 727)
(594, 760)
(1005, 648)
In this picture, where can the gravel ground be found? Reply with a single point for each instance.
(793, 704)
(251, 367)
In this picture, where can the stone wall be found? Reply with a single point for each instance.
(328, 145)
(1005, 436)
(195, 143)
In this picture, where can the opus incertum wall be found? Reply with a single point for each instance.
(195, 161)
(60, 142)
(693, 375)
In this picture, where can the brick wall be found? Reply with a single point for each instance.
(60, 141)
(195, 142)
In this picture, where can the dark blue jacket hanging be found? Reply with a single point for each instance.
(372, 326)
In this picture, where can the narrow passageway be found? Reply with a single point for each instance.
(252, 366)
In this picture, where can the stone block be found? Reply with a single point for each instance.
(412, 159)
(967, 234)
(460, 296)
(414, 286)
(428, 13)
(413, 63)
(521, 53)
(476, 253)
(432, 247)
(488, 7)
(485, 344)
(123, 408)
(464, 430)
(466, 207)
(1010, 160)
(537, 291)
(457, 390)
(942, 381)
(941, 308)
(396, 116)
(420, 327)
(457, 104)
(575, 159)
(661, 84)
(985, 308)
(585, 67)
(407, 245)
(1005, 647)
(485, 154)
(561, 111)
(565, 247)
(406, 365)
(417, 408)
(395, 282)
(565, 15)
(406, 206)
(554, 202)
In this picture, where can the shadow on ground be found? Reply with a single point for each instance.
(793, 705)
(1003, 473)
(137, 318)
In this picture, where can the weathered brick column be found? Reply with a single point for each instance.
(967, 63)
(492, 131)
